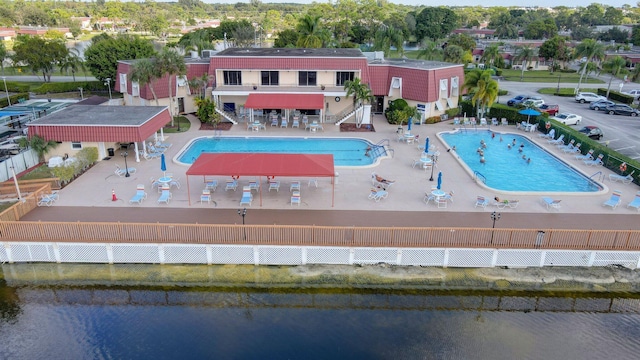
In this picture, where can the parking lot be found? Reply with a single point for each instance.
(620, 132)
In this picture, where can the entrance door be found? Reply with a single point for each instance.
(379, 105)
(180, 105)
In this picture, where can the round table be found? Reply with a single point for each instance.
(438, 193)
(164, 181)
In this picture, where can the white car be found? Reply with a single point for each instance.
(587, 97)
(533, 103)
(634, 93)
(568, 119)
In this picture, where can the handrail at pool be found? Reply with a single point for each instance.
(601, 178)
(477, 174)
(383, 142)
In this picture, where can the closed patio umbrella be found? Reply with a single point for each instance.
(426, 145)
(163, 165)
(439, 180)
(409, 125)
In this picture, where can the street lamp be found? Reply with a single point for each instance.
(243, 213)
(558, 88)
(108, 83)
(494, 216)
(4, 78)
(124, 155)
(81, 96)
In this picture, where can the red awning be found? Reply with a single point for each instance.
(250, 164)
(285, 101)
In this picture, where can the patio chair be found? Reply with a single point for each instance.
(504, 122)
(122, 172)
(296, 122)
(254, 185)
(284, 123)
(636, 202)
(573, 149)
(295, 198)
(456, 121)
(175, 182)
(551, 203)
(247, 197)
(274, 121)
(428, 196)
(483, 122)
(205, 196)
(502, 204)
(569, 145)
(623, 179)
(550, 135)
(165, 196)
(211, 185)
(48, 199)
(162, 145)
(295, 186)
(481, 201)
(557, 141)
(377, 195)
(441, 202)
(614, 201)
(587, 156)
(139, 196)
(274, 185)
(494, 122)
(448, 197)
(156, 149)
(231, 185)
(596, 162)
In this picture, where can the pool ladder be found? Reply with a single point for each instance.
(600, 175)
(478, 175)
(379, 148)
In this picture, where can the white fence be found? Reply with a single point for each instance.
(20, 162)
(114, 253)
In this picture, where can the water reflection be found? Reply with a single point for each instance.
(75, 320)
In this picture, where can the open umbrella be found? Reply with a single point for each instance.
(426, 145)
(163, 165)
(529, 112)
(409, 125)
(439, 180)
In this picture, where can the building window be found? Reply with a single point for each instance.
(232, 77)
(269, 77)
(344, 76)
(76, 145)
(307, 78)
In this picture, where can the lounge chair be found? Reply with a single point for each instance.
(623, 179)
(504, 122)
(295, 186)
(205, 196)
(494, 122)
(557, 141)
(456, 121)
(597, 161)
(247, 197)
(162, 145)
(254, 185)
(551, 203)
(274, 121)
(296, 122)
(284, 123)
(295, 198)
(636, 202)
(122, 172)
(139, 196)
(569, 145)
(231, 185)
(573, 149)
(481, 201)
(587, 156)
(379, 181)
(483, 122)
(274, 185)
(614, 201)
(48, 199)
(550, 135)
(212, 185)
(428, 196)
(507, 203)
(378, 195)
(165, 196)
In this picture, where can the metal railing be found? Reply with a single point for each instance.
(478, 175)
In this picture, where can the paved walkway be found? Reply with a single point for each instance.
(89, 198)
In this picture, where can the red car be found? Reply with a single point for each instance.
(552, 110)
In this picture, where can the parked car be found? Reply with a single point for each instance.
(550, 109)
(533, 102)
(520, 99)
(635, 93)
(593, 132)
(621, 109)
(600, 105)
(568, 119)
(587, 97)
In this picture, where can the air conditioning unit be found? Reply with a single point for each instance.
(208, 53)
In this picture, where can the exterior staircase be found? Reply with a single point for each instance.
(346, 115)
(227, 116)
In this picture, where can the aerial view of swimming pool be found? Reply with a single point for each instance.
(507, 166)
(346, 151)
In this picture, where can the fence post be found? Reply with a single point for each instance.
(494, 258)
(304, 255)
(543, 255)
(256, 256)
(7, 250)
(352, 253)
(56, 252)
(445, 260)
(399, 257)
(161, 253)
(109, 249)
(209, 254)
(592, 258)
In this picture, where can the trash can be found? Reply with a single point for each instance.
(111, 152)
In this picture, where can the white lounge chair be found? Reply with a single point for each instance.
(557, 141)
(551, 203)
(295, 186)
(139, 196)
(212, 184)
(573, 149)
(623, 179)
(614, 201)
(636, 202)
(569, 145)
(205, 196)
(48, 199)
(122, 172)
(550, 135)
(481, 201)
(274, 185)
(378, 195)
(597, 161)
(247, 197)
(165, 196)
(587, 156)
(231, 185)
(295, 198)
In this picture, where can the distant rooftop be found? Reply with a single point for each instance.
(290, 52)
(92, 115)
(410, 63)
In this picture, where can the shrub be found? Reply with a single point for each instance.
(61, 87)
(432, 120)
(393, 113)
(87, 157)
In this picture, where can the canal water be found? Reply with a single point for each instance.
(154, 312)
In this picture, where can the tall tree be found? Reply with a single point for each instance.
(615, 66)
(590, 49)
(430, 51)
(361, 94)
(435, 23)
(454, 54)
(39, 54)
(3, 55)
(170, 63)
(72, 62)
(483, 88)
(525, 54)
(102, 56)
(554, 49)
(145, 72)
(491, 54)
(309, 29)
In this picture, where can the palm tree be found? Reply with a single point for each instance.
(72, 62)
(144, 72)
(484, 89)
(41, 146)
(490, 54)
(590, 49)
(361, 94)
(526, 54)
(615, 66)
(171, 63)
(454, 54)
(430, 51)
(309, 30)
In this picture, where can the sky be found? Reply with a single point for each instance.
(540, 3)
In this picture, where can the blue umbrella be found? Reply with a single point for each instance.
(426, 145)
(439, 179)
(529, 112)
(409, 125)
(163, 165)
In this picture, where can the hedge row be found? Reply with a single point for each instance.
(62, 87)
(15, 99)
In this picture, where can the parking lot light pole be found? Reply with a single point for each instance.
(108, 83)
(243, 213)
(4, 79)
(124, 155)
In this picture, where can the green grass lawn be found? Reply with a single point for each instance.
(184, 125)
(41, 172)
(546, 76)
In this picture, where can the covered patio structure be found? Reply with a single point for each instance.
(285, 102)
(263, 165)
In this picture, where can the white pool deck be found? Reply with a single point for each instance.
(94, 188)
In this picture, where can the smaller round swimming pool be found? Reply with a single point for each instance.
(346, 151)
(512, 162)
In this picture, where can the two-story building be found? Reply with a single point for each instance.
(247, 81)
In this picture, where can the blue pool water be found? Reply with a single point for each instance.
(346, 151)
(505, 169)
